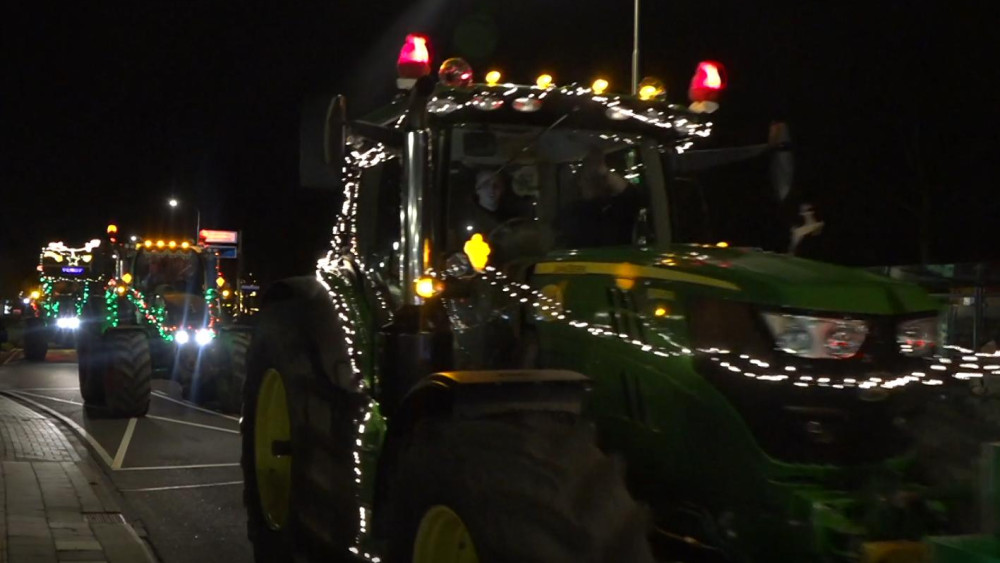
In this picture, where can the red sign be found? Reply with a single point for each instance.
(218, 237)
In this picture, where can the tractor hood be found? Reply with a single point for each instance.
(749, 275)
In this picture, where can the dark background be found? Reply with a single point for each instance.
(109, 110)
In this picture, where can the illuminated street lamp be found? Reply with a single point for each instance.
(174, 203)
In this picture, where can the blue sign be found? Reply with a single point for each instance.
(225, 251)
(75, 270)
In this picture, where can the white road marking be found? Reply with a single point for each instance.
(48, 389)
(123, 445)
(104, 455)
(48, 398)
(191, 405)
(170, 467)
(175, 487)
(208, 426)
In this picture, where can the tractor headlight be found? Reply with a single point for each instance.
(817, 337)
(203, 336)
(182, 337)
(69, 323)
(917, 337)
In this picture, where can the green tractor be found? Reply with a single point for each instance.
(505, 272)
(159, 318)
(67, 278)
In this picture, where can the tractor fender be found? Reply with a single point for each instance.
(318, 326)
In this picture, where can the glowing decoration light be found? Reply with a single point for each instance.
(185, 245)
(544, 81)
(414, 58)
(36, 294)
(220, 281)
(722, 244)
(127, 277)
(708, 81)
(203, 336)
(493, 77)
(172, 244)
(120, 289)
(112, 229)
(660, 311)
(160, 244)
(478, 251)
(455, 73)
(226, 293)
(599, 86)
(651, 88)
(149, 244)
(428, 287)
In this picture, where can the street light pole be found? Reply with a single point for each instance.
(635, 49)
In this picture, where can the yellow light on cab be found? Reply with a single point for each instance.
(660, 311)
(428, 287)
(722, 244)
(599, 86)
(149, 244)
(220, 281)
(543, 81)
(36, 294)
(625, 284)
(478, 251)
(650, 88)
(127, 277)
(160, 244)
(112, 229)
(493, 77)
(172, 244)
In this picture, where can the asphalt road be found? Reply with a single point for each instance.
(177, 468)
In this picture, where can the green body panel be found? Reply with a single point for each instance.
(768, 279)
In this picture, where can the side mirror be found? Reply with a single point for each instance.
(322, 135)
(782, 160)
(335, 134)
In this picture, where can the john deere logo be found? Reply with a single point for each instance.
(551, 304)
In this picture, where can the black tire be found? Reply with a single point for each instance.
(529, 486)
(232, 376)
(323, 507)
(90, 367)
(127, 373)
(36, 340)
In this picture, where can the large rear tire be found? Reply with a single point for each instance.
(233, 375)
(525, 487)
(127, 373)
(90, 366)
(298, 433)
(36, 340)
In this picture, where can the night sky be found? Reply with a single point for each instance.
(108, 111)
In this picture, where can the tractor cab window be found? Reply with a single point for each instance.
(528, 191)
(169, 272)
(380, 222)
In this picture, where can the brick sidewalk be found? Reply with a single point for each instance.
(54, 506)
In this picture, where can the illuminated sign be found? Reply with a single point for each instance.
(72, 270)
(218, 237)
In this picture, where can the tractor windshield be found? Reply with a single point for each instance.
(169, 272)
(529, 190)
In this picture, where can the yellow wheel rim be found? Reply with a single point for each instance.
(272, 436)
(443, 538)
